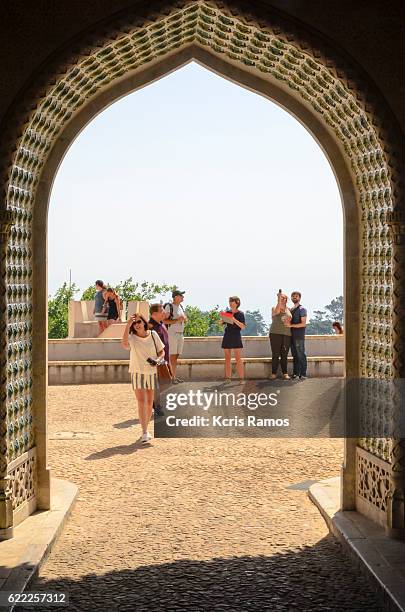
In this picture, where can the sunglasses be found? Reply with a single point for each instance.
(138, 321)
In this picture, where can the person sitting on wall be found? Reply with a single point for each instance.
(337, 328)
(114, 306)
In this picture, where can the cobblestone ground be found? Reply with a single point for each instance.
(190, 524)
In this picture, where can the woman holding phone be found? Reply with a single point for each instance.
(146, 350)
(280, 335)
(232, 340)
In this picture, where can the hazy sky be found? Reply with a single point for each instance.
(198, 182)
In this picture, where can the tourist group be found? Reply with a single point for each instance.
(156, 344)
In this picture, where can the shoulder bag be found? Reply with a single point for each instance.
(163, 369)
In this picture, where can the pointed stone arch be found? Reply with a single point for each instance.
(270, 55)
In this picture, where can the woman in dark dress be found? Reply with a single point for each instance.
(114, 306)
(232, 340)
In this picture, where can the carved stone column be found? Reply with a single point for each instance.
(6, 509)
(396, 495)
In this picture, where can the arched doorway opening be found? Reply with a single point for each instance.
(245, 180)
(266, 55)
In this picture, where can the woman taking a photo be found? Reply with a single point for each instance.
(146, 349)
(232, 340)
(280, 335)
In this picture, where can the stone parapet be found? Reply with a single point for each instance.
(85, 349)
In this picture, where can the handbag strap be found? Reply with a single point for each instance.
(154, 341)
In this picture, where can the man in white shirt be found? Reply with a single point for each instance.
(175, 321)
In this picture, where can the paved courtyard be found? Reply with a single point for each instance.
(192, 524)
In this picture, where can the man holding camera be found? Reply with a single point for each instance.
(175, 321)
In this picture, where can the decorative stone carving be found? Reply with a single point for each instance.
(6, 222)
(264, 43)
(396, 497)
(373, 480)
(23, 477)
(6, 514)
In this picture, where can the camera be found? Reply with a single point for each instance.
(155, 362)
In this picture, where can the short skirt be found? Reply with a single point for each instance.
(231, 341)
(144, 381)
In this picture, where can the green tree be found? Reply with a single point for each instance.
(202, 323)
(321, 323)
(255, 324)
(336, 309)
(215, 328)
(58, 310)
(207, 323)
(88, 294)
(133, 290)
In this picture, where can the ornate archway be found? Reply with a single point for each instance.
(268, 54)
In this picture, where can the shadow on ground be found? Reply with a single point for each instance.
(312, 579)
(122, 449)
(126, 424)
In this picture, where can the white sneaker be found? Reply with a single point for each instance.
(146, 437)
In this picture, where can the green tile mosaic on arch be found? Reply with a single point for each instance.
(259, 48)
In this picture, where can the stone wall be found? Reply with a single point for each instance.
(93, 349)
(98, 361)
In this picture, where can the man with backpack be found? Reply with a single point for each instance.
(175, 321)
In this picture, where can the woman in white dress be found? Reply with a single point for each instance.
(146, 349)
